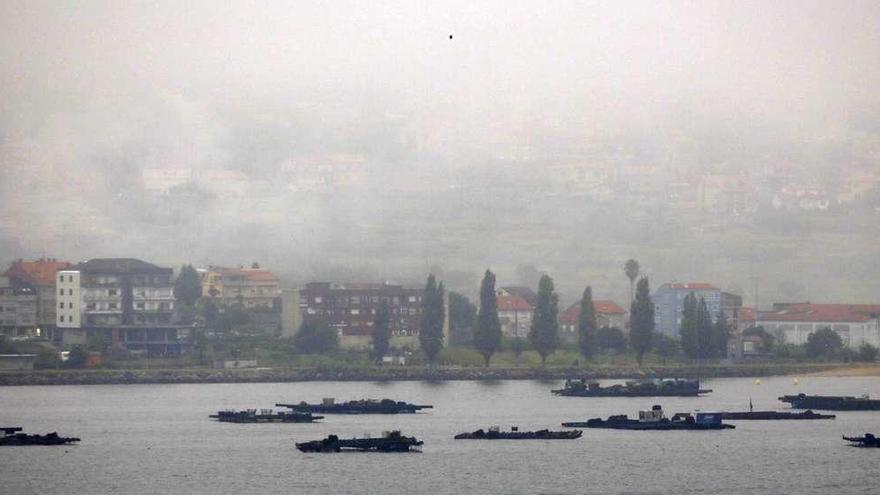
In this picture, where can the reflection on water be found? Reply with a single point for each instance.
(158, 438)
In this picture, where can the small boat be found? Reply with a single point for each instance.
(390, 442)
(832, 402)
(654, 419)
(640, 388)
(13, 437)
(495, 433)
(366, 406)
(264, 416)
(869, 440)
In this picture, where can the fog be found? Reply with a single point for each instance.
(381, 140)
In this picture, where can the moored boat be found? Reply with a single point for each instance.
(390, 442)
(366, 406)
(640, 388)
(264, 416)
(832, 402)
(13, 437)
(654, 419)
(774, 415)
(869, 440)
(495, 433)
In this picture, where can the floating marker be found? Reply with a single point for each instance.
(757, 381)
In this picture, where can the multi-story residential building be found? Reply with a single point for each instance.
(18, 310)
(351, 309)
(793, 323)
(669, 301)
(127, 302)
(34, 279)
(253, 288)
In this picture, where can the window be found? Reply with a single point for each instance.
(112, 305)
(69, 292)
(111, 292)
(61, 305)
(60, 292)
(139, 305)
(61, 318)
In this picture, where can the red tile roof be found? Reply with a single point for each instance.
(250, 274)
(604, 307)
(513, 303)
(746, 314)
(40, 272)
(807, 312)
(691, 285)
(259, 275)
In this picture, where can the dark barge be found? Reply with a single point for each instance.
(390, 442)
(774, 415)
(366, 406)
(654, 419)
(13, 437)
(869, 441)
(832, 402)
(494, 433)
(642, 388)
(264, 416)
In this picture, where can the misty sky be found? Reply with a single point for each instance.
(94, 92)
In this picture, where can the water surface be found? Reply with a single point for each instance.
(158, 439)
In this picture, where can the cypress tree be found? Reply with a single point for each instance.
(431, 331)
(487, 337)
(381, 332)
(641, 320)
(705, 342)
(721, 336)
(587, 324)
(688, 328)
(544, 333)
(187, 286)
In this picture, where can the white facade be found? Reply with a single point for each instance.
(68, 297)
(853, 334)
(515, 323)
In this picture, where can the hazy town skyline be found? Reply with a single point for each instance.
(376, 142)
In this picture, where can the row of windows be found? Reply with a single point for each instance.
(342, 301)
(61, 292)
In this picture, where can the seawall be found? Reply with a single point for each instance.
(262, 375)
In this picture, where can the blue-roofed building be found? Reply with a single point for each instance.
(669, 301)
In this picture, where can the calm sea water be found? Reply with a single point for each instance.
(158, 439)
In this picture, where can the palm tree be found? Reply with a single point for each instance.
(631, 268)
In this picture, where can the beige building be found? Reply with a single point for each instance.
(28, 302)
(254, 288)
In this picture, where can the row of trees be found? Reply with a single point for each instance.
(544, 331)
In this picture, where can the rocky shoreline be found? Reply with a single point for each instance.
(265, 375)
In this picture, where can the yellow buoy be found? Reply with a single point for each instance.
(795, 381)
(757, 381)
